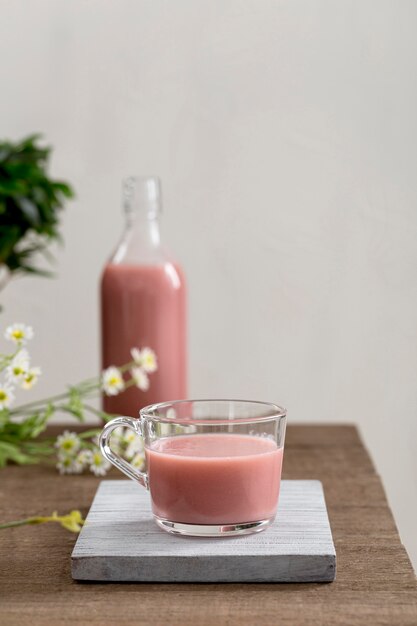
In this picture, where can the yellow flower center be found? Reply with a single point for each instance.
(114, 381)
(3, 395)
(67, 445)
(18, 334)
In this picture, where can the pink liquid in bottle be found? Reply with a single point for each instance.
(214, 478)
(143, 303)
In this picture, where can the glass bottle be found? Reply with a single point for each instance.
(143, 303)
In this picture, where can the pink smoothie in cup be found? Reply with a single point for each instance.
(214, 478)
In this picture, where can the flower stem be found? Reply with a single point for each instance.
(39, 403)
(35, 403)
(73, 521)
(22, 522)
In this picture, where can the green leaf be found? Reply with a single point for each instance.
(11, 187)
(29, 141)
(40, 424)
(4, 419)
(38, 449)
(89, 434)
(30, 203)
(75, 405)
(64, 189)
(11, 452)
(29, 209)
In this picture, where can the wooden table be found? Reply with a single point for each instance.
(375, 581)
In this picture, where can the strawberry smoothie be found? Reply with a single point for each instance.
(214, 478)
(145, 305)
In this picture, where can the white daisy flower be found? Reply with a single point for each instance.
(116, 439)
(68, 465)
(133, 448)
(6, 396)
(19, 333)
(136, 355)
(140, 377)
(138, 461)
(148, 360)
(31, 377)
(19, 366)
(99, 465)
(112, 381)
(127, 436)
(84, 458)
(68, 443)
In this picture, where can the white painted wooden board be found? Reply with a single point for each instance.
(121, 542)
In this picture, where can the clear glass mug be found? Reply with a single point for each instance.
(213, 467)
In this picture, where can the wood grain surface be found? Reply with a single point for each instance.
(375, 581)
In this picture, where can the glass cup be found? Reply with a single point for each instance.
(213, 467)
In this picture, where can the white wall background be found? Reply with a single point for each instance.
(285, 134)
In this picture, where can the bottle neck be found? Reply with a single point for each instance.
(141, 241)
(143, 229)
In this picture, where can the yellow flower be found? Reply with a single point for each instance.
(73, 521)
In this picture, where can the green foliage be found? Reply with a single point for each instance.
(30, 203)
(16, 438)
(75, 404)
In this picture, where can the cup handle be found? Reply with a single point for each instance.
(115, 459)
